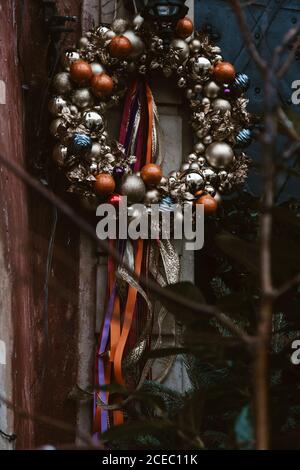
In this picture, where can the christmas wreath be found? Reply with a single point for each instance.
(116, 62)
(95, 77)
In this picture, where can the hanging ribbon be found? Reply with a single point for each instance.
(139, 137)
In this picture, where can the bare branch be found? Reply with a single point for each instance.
(55, 423)
(151, 285)
(287, 286)
(292, 33)
(247, 36)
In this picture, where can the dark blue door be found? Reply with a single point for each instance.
(268, 20)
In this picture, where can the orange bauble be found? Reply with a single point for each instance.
(210, 204)
(151, 174)
(102, 85)
(81, 71)
(120, 47)
(184, 28)
(224, 72)
(104, 184)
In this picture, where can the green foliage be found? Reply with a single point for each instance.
(216, 413)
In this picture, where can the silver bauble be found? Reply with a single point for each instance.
(211, 90)
(210, 176)
(216, 50)
(195, 45)
(68, 58)
(199, 148)
(201, 161)
(221, 105)
(222, 175)
(205, 101)
(62, 83)
(101, 30)
(59, 154)
(172, 181)
(207, 140)
(138, 46)
(97, 68)
(54, 127)
(200, 133)
(57, 104)
(210, 190)
(152, 197)
(95, 151)
(109, 35)
(194, 166)
(201, 65)
(217, 58)
(219, 155)
(119, 26)
(92, 120)
(134, 188)
(194, 182)
(198, 88)
(73, 109)
(181, 47)
(188, 196)
(192, 158)
(82, 98)
(83, 42)
(137, 21)
(109, 157)
(106, 149)
(184, 167)
(135, 213)
(94, 168)
(189, 94)
(181, 82)
(163, 181)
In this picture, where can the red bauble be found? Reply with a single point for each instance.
(102, 85)
(104, 184)
(114, 199)
(81, 71)
(224, 72)
(151, 174)
(120, 47)
(210, 204)
(184, 28)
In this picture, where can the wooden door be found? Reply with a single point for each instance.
(268, 20)
(38, 363)
(51, 277)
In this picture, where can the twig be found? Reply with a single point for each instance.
(284, 68)
(81, 223)
(246, 35)
(42, 419)
(264, 327)
(287, 286)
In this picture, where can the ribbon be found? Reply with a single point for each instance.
(138, 135)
